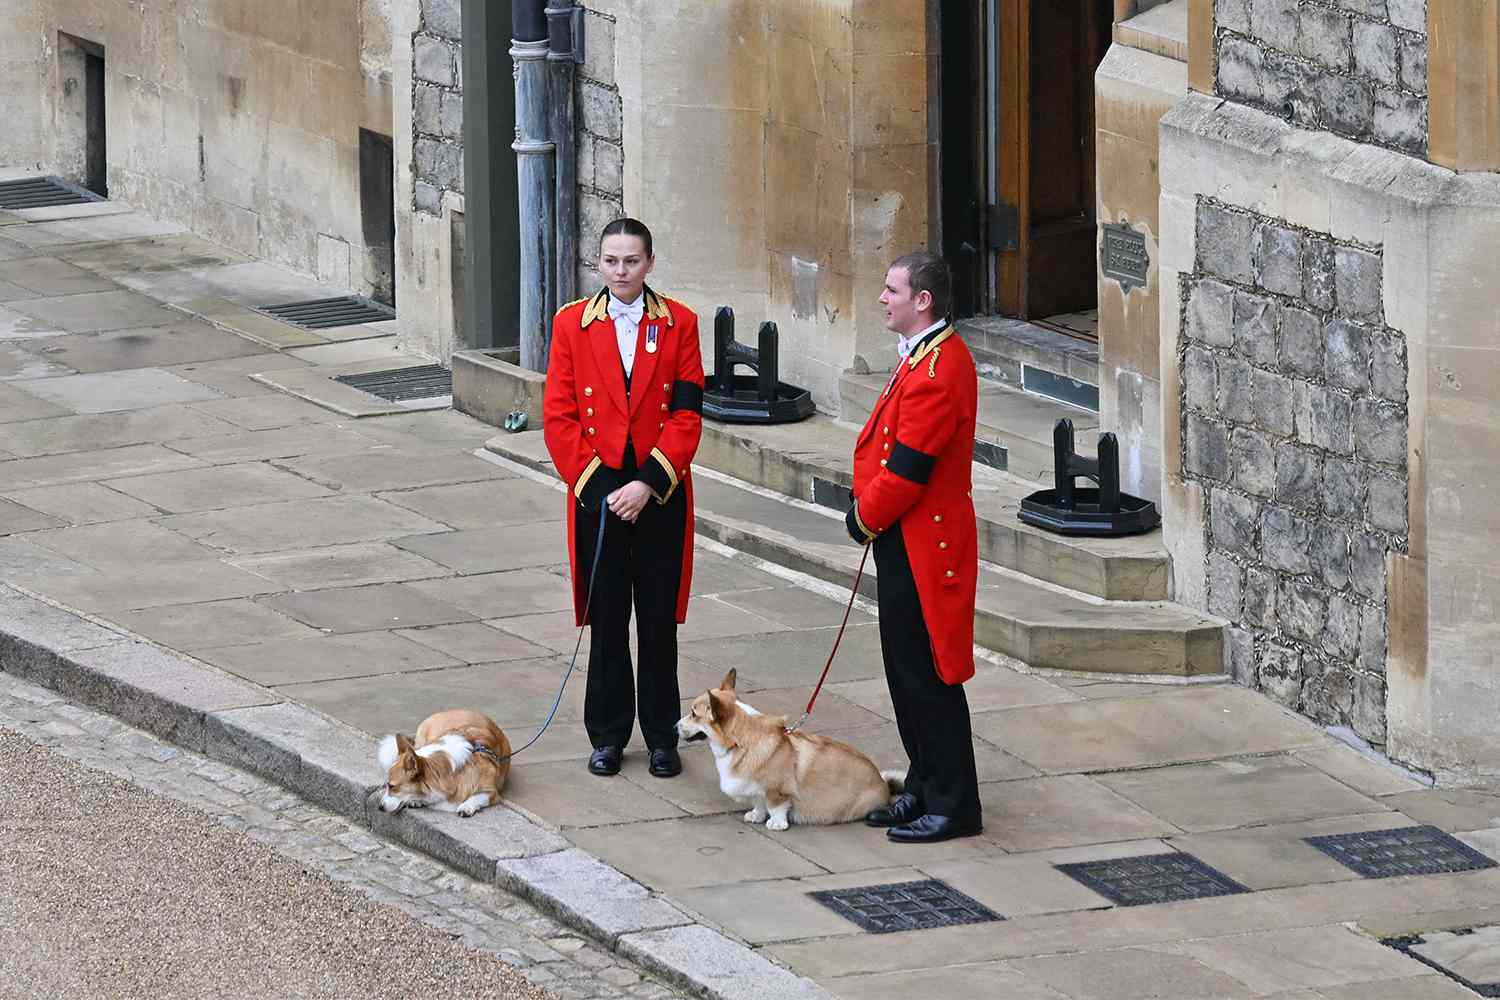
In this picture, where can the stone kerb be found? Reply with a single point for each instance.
(239, 723)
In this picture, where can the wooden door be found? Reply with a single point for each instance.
(1043, 229)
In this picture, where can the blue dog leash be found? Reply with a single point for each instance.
(588, 600)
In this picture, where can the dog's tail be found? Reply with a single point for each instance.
(894, 780)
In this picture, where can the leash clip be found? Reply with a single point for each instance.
(798, 724)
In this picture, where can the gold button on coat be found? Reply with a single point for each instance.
(588, 390)
(887, 447)
(589, 412)
(664, 407)
(937, 517)
(942, 545)
(882, 463)
(886, 429)
(950, 572)
(666, 387)
(591, 430)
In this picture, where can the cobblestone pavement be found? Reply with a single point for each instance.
(479, 916)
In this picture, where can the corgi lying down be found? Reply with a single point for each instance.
(458, 763)
(787, 777)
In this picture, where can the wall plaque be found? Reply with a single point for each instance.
(1124, 256)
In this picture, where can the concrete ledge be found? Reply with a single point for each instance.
(708, 963)
(581, 890)
(487, 385)
(474, 845)
(331, 764)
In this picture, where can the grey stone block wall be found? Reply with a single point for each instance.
(1355, 67)
(437, 116)
(1295, 424)
(601, 149)
(437, 105)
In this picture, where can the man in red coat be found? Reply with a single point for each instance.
(622, 413)
(913, 493)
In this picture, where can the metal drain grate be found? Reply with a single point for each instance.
(320, 314)
(1412, 850)
(905, 906)
(41, 192)
(397, 384)
(1153, 878)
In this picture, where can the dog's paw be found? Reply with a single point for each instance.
(756, 815)
(776, 823)
(468, 810)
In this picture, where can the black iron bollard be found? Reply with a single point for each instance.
(1068, 510)
(761, 399)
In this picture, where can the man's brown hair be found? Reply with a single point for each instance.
(927, 272)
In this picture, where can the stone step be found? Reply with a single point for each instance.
(811, 461)
(1017, 423)
(1023, 355)
(1041, 625)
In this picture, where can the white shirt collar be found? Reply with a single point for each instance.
(905, 344)
(627, 310)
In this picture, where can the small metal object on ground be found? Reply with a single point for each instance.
(396, 384)
(1152, 878)
(41, 192)
(321, 314)
(905, 906)
(1412, 850)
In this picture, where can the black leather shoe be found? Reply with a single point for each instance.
(605, 761)
(930, 829)
(665, 763)
(903, 809)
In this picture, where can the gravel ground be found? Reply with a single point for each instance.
(110, 891)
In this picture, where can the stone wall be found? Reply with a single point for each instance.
(1355, 67)
(24, 50)
(1293, 404)
(601, 150)
(437, 105)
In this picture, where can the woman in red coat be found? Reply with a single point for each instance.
(622, 414)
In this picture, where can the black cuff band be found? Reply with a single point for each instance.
(601, 484)
(908, 463)
(654, 476)
(687, 396)
(854, 529)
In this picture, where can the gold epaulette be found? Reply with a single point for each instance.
(570, 305)
(930, 348)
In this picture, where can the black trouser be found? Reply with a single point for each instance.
(642, 561)
(932, 717)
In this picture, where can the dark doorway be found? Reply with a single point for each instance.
(96, 167)
(1018, 173)
(377, 213)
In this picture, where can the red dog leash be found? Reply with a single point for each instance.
(837, 639)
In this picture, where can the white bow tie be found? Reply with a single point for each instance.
(631, 311)
(905, 344)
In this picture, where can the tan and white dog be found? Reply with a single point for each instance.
(458, 762)
(786, 777)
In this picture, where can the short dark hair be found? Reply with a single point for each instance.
(927, 272)
(629, 227)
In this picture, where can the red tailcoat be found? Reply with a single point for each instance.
(913, 463)
(586, 415)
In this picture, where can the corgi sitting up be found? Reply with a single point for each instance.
(458, 762)
(786, 777)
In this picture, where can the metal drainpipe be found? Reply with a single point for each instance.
(565, 33)
(538, 278)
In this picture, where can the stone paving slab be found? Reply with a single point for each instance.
(710, 850)
(294, 661)
(390, 469)
(265, 412)
(275, 443)
(365, 609)
(577, 887)
(705, 960)
(16, 405)
(91, 312)
(238, 621)
(129, 590)
(17, 324)
(300, 524)
(488, 504)
(173, 343)
(122, 545)
(15, 517)
(56, 470)
(119, 390)
(489, 550)
(245, 322)
(82, 503)
(1226, 794)
(49, 276)
(219, 488)
(341, 566)
(56, 435)
(1304, 958)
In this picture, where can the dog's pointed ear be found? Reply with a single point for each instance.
(411, 763)
(719, 706)
(727, 684)
(404, 743)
